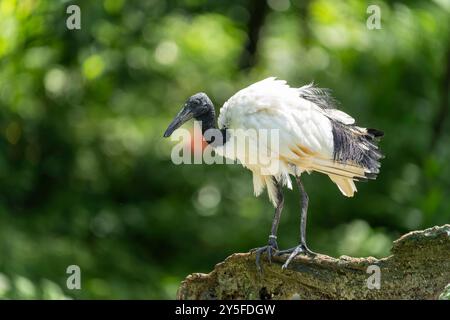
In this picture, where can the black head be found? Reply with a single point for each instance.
(195, 107)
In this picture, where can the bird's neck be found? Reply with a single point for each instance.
(208, 120)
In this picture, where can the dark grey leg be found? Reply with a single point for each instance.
(302, 247)
(304, 211)
(272, 245)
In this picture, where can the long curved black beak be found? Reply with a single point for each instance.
(182, 117)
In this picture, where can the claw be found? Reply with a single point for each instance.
(302, 248)
(259, 251)
(270, 249)
(294, 253)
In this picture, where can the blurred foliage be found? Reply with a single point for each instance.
(86, 177)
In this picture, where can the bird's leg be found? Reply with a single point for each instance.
(272, 245)
(302, 247)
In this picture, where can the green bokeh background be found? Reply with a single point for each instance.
(86, 177)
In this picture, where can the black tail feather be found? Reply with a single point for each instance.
(357, 146)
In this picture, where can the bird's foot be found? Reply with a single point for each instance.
(300, 249)
(270, 249)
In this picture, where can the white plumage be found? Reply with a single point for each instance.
(305, 129)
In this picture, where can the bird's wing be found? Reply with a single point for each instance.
(313, 135)
(305, 139)
(305, 133)
(272, 105)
